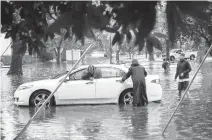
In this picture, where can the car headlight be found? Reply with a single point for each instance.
(157, 81)
(25, 87)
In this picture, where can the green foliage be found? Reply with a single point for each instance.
(79, 18)
(24, 21)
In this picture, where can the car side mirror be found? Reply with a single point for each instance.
(91, 78)
(66, 80)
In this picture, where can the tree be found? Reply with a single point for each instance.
(112, 16)
(17, 55)
(129, 47)
(25, 24)
(151, 43)
(200, 32)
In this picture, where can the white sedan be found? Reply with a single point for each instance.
(105, 89)
(175, 54)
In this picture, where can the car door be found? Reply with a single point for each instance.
(109, 86)
(76, 88)
(178, 53)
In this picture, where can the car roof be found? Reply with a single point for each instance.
(122, 67)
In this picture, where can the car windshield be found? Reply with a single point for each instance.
(173, 51)
(59, 75)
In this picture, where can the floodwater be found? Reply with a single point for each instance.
(193, 119)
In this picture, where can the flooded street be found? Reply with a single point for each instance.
(193, 120)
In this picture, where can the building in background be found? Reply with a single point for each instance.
(4, 44)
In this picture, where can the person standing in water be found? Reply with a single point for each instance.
(138, 74)
(166, 65)
(183, 69)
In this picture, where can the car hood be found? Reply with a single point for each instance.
(42, 82)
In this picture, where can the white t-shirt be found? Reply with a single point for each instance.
(183, 80)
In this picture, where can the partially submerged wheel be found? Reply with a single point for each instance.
(172, 58)
(126, 97)
(39, 97)
(192, 57)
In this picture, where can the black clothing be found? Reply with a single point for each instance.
(165, 65)
(183, 67)
(182, 86)
(96, 74)
(87, 75)
(138, 74)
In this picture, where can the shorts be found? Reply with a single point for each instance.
(183, 85)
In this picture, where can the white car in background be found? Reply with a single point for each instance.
(98, 54)
(102, 90)
(175, 54)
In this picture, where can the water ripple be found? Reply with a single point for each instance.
(191, 121)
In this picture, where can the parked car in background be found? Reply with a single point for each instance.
(104, 89)
(98, 54)
(175, 54)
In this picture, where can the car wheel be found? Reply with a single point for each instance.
(172, 58)
(126, 97)
(192, 57)
(159, 101)
(39, 97)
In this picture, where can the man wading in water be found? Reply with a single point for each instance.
(138, 74)
(183, 69)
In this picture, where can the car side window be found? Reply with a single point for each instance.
(77, 75)
(111, 72)
(179, 51)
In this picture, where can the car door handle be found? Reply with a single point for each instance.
(118, 80)
(89, 83)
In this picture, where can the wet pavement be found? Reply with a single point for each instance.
(193, 120)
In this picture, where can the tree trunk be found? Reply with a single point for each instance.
(83, 59)
(200, 55)
(168, 45)
(63, 55)
(16, 64)
(111, 51)
(117, 54)
(146, 53)
(58, 51)
(151, 57)
(130, 56)
(58, 55)
(133, 53)
(202, 50)
(16, 61)
(209, 42)
(181, 44)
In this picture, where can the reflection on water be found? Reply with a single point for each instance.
(111, 122)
